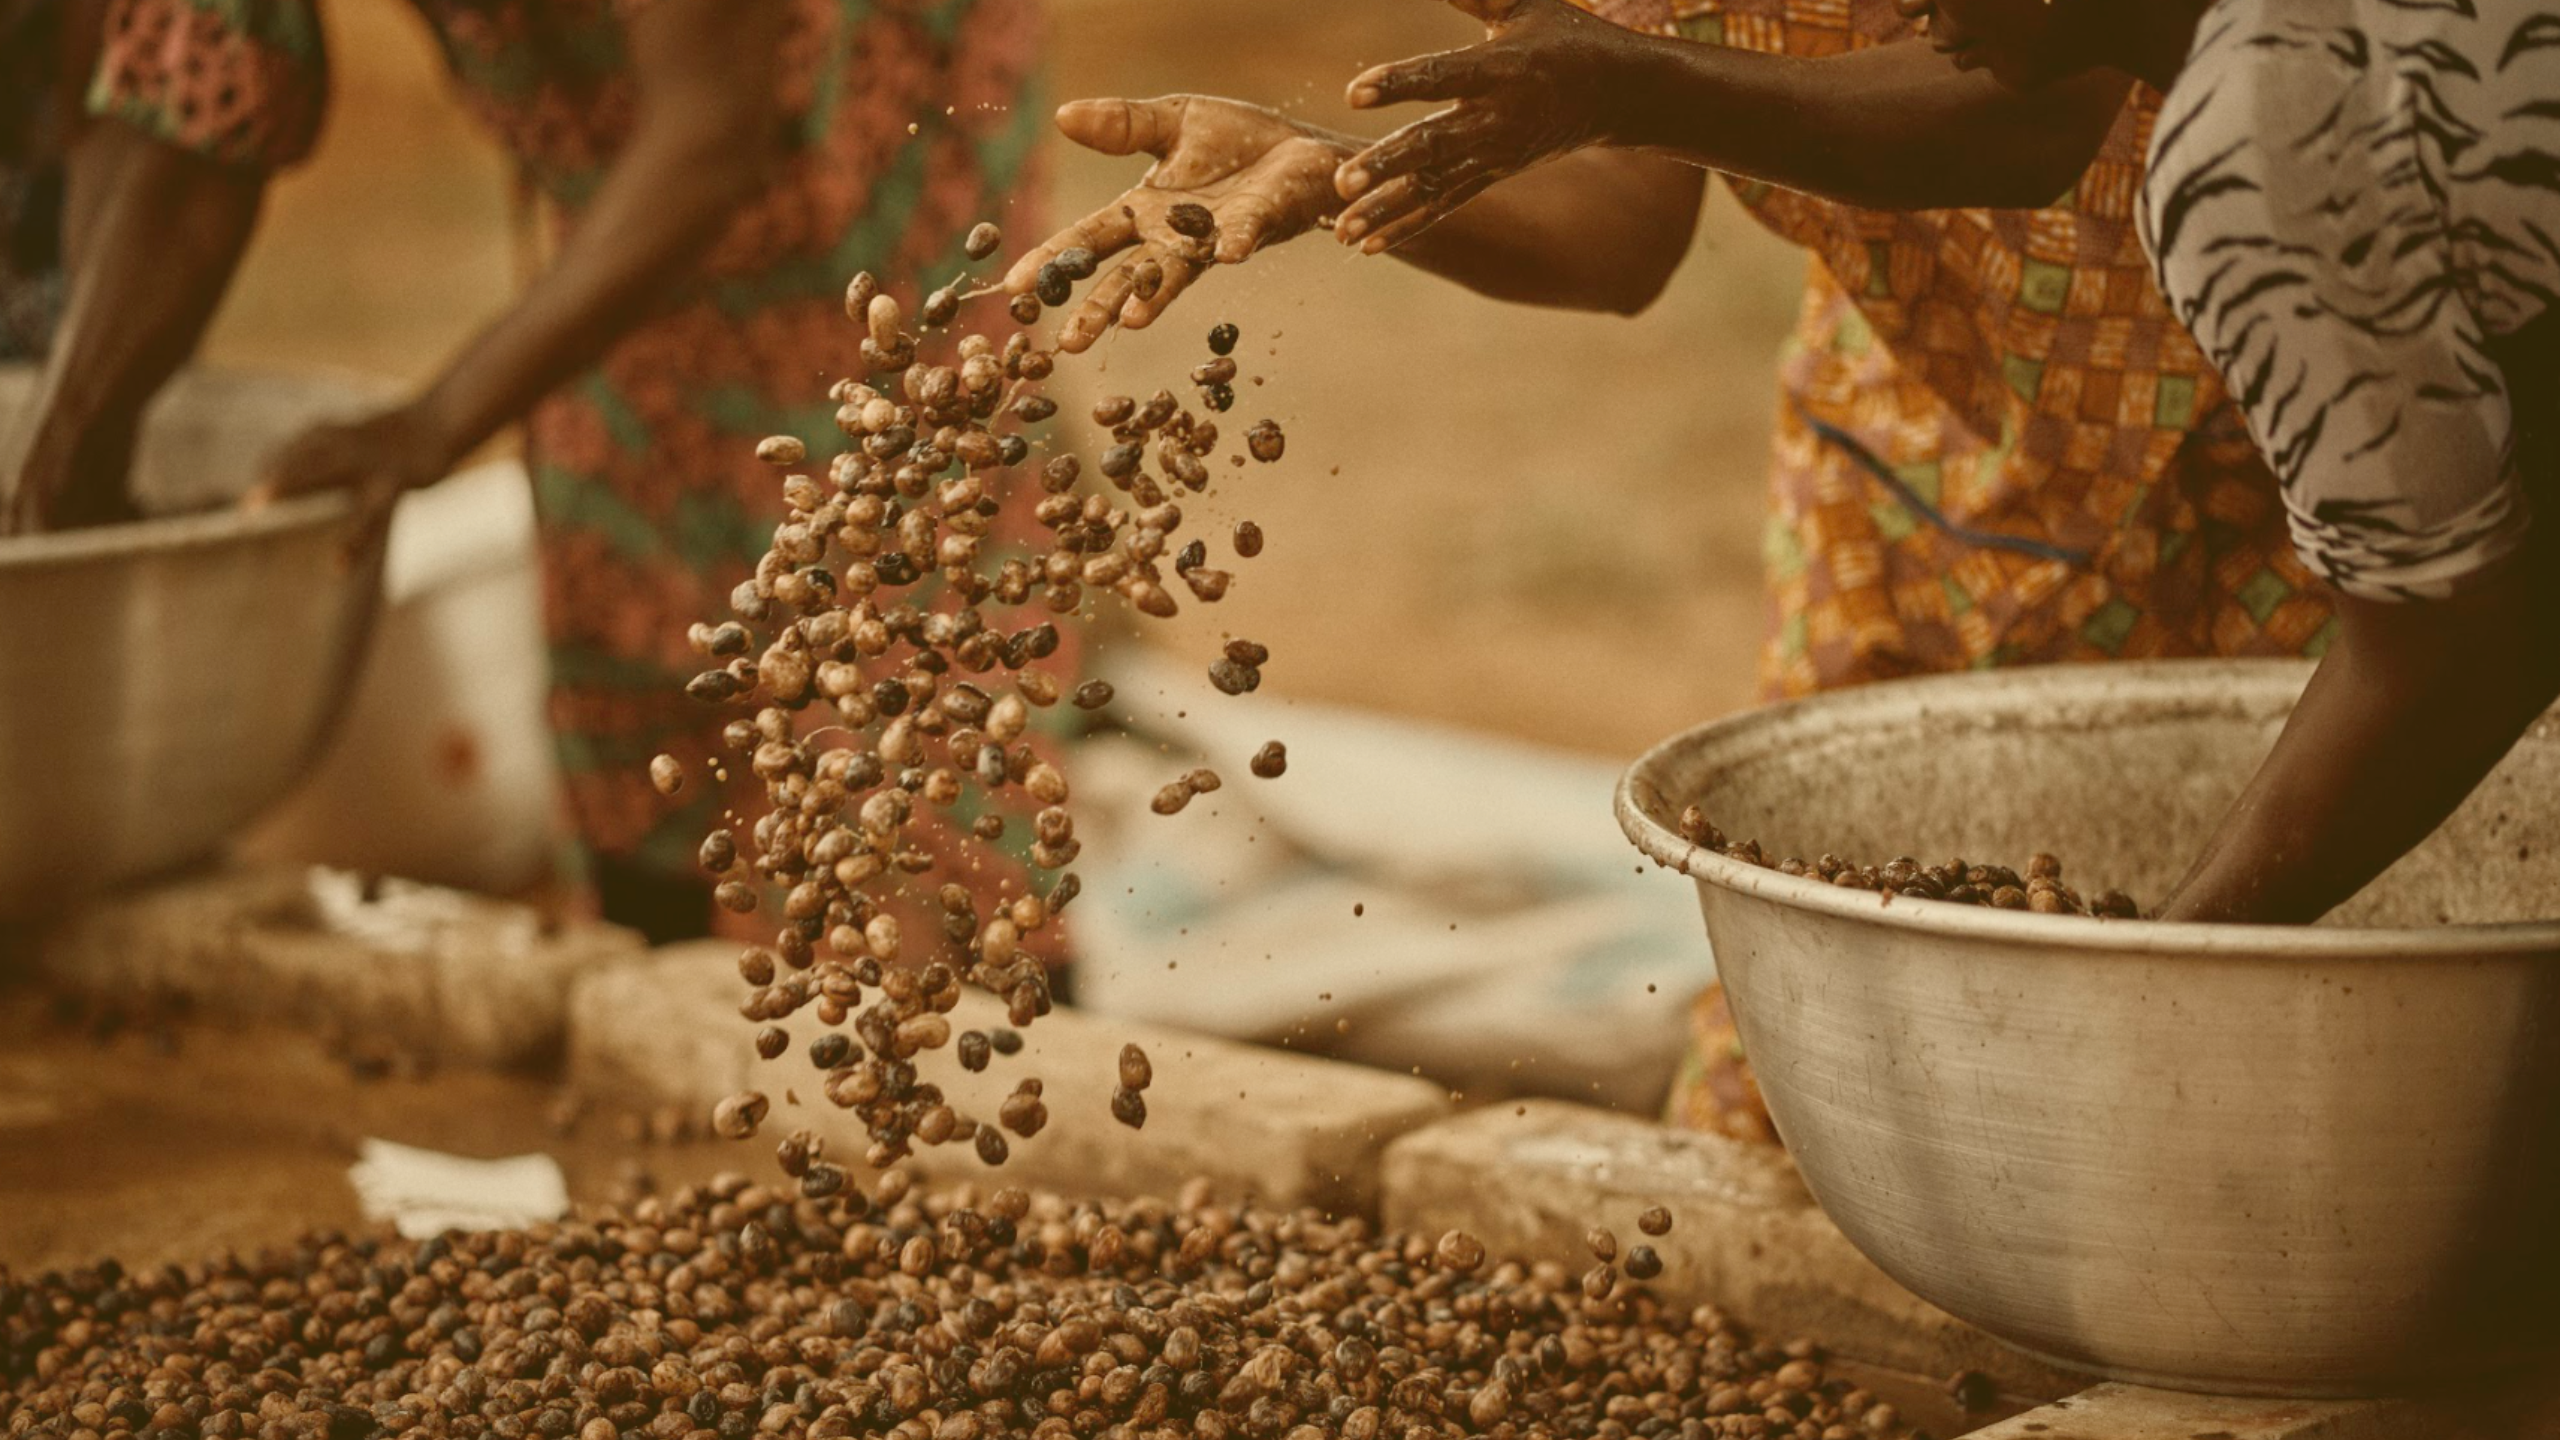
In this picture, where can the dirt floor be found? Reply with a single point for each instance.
(161, 1140)
(1541, 499)
(164, 1141)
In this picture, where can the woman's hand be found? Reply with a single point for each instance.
(2414, 704)
(1262, 176)
(380, 457)
(1541, 85)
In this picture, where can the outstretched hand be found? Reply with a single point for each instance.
(1541, 85)
(1262, 177)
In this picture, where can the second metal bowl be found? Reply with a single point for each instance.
(162, 682)
(2285, 1160)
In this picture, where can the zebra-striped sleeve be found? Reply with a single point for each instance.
(2350, 202)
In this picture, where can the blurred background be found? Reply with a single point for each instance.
(1509, 549)
(1558, 516)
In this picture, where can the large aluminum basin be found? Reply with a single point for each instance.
(162, 682)
(2290, 1160)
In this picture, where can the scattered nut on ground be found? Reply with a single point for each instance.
(736, 1310)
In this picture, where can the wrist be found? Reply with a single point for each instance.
(443, 429)
(77, 474)
(74, 437)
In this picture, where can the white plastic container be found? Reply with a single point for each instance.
(442, 769)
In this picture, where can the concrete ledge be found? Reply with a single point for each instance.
(1531, 1180)
(1289, 1128)
(439, 973)
(2130, 1412)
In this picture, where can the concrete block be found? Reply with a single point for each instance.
(2130, 1412)
(1292, 1129)
(1531, 1180)
(440, 973)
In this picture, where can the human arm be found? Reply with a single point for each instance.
(1600, 231)
(153, 235)
(707, 134)
(2414, 703)
(1889, 127)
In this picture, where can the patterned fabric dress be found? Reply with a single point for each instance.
(1995, 446)
(912, 121)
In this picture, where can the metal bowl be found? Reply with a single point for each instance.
(2317, 1161)
(162, 682)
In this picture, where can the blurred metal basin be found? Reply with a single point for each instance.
(163, 682)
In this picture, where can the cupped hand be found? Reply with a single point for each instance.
(1540, 86)
(380, 457)
(1262, 176)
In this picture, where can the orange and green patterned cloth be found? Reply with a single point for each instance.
(911, 122)
(1995, 445)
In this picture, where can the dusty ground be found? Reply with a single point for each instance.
(163, 1142)
(159, 1141)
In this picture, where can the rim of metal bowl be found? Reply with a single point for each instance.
(2179, 939)
(165, 534)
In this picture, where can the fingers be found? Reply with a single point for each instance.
(315, 460)
(1101, 307)
(1380, 208)
(1410, 204)
(1394, 198)
(1393, 234)
(1179, 272)
(1106, 232)
(1123, 127)
(325, 457)
(1113, 127)
(1429, 141)
(282, 483)
(1245, 224)
(1448, 75)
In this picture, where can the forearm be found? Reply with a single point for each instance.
(155, 236)
(1597, 230)
(2412, 706)
(662, 206)
(1891, 127)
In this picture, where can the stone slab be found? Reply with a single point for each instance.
(437, 973)
(1531, 1180)
(2131, 1412)
(1291, 1129)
